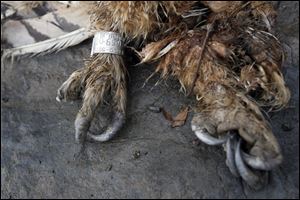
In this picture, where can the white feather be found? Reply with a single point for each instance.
(50, 45)
(16, 33)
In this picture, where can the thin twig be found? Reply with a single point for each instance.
(210, 29)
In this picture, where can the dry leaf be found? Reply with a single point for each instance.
(167, 115)
(179, 120)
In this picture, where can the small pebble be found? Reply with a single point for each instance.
(136, 154)
(109, 167)
(155, 109)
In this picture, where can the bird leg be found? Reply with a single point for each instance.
(104, 73)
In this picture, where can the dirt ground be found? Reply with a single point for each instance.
(148, 159)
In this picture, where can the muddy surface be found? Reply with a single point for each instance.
(148, 159)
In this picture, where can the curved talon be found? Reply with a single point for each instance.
(117, 123)
(59, 96)
(252, 179)
(259, 163)
(230, 149)
(208, 139)
(58, 99)
(82, 125)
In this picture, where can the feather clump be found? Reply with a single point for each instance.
(240, 54)
(238, 74)
(137, 19)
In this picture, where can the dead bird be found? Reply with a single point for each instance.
(223, 53)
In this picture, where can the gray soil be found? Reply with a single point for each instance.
(148, 159)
